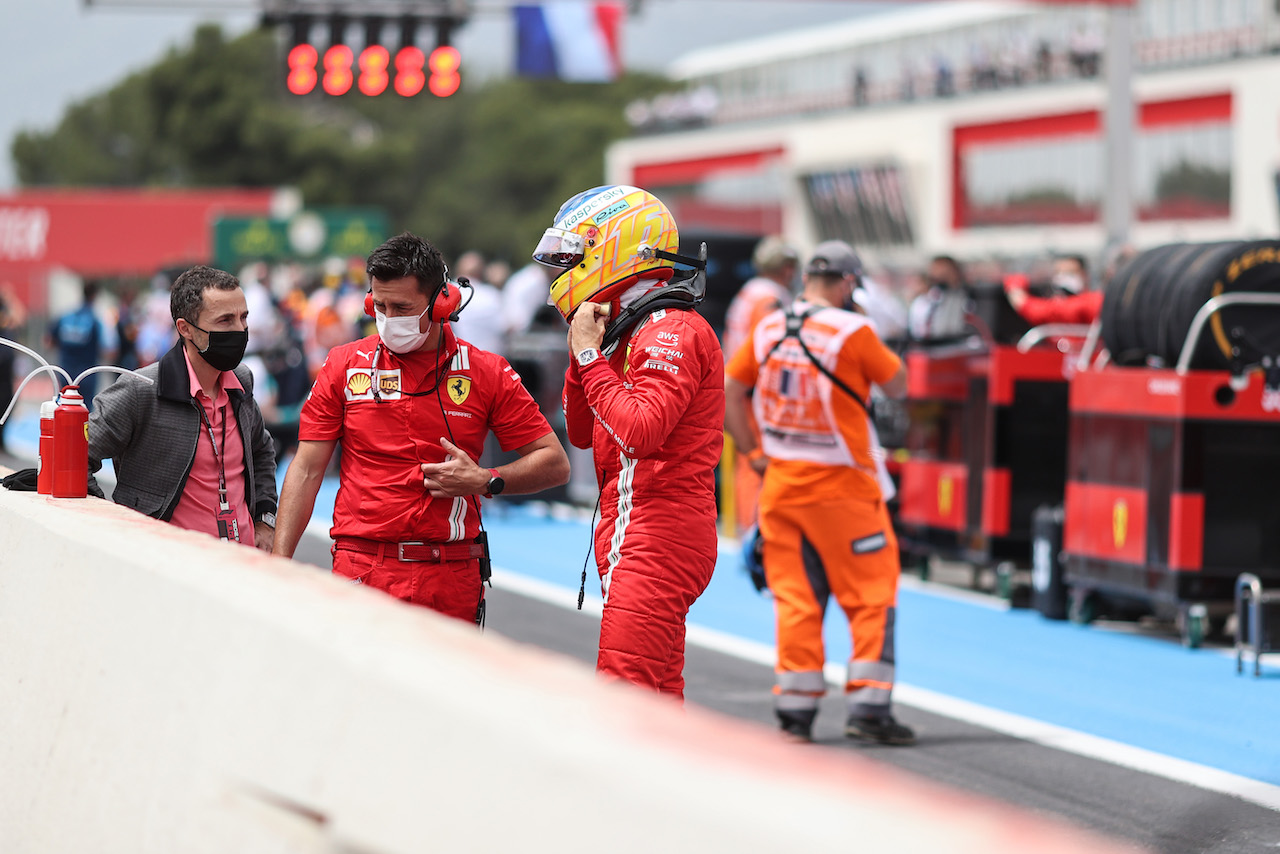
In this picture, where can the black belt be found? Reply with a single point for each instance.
(414, 550)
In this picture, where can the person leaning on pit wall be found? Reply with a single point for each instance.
(412, 405)
(645, 391)
(823, 518)
(190, 447)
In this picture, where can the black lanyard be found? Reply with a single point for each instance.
(440, 371)
(217, 455)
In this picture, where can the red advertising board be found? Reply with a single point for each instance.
(112, 232)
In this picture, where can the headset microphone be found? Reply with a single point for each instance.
(463, 282)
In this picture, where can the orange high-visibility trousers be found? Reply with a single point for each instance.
(846, 549)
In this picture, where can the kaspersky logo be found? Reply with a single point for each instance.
(1120, 522)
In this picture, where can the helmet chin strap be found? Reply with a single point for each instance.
(680, 296)
(683, 294)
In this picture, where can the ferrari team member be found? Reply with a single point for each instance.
(1071, 302)
(823, 520)
(412, 406)
(645, 391)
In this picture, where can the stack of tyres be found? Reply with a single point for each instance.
(1151, 302)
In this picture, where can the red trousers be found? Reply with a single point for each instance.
(453, 588)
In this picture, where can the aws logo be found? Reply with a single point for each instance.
(359, 385)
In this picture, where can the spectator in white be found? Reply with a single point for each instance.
(886, 310)
(482, 322)
(523, 296)
(940, 311)
(496, 273)
(264, 324)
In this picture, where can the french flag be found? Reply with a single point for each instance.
(570, 40)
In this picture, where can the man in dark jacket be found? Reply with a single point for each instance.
(191, 447)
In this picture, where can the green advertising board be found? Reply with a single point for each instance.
(309, 235)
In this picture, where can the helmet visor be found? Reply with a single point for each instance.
(559, 249)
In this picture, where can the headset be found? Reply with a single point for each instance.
(445, 303)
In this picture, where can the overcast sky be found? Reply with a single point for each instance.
(56, 52)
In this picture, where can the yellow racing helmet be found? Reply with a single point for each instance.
(605, 240)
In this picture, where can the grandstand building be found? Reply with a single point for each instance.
(970, 128)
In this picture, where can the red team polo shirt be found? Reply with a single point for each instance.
(380, 494)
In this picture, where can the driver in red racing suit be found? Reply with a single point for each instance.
(651, 407)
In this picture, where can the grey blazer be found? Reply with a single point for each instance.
(150, 431)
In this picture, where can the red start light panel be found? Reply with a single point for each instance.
(302, 69)
(337, 70)
(374, 71)
(444, 64)
(409, 76)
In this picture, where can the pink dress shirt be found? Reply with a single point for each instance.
(198, 507)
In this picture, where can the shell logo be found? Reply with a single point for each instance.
(946, 495)
(1120, 522)
(359, 384)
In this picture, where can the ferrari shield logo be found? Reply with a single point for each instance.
(946, 491)
(1120, 522)
(459, 388)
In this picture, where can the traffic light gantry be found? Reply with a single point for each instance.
(333, 64)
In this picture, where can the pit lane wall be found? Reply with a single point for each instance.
(164, 692)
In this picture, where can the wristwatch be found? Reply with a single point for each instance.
(588, 356)
(268, 519)
(496, 484)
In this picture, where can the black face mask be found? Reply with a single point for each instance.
(225, 349)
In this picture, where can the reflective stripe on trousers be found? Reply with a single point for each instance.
(798, 691)
(870, 684)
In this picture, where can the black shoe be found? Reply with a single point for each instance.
(883, 730)
(797, 731)
(797, 726)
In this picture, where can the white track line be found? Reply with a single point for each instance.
(1028, 729)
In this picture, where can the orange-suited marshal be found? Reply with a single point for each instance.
(826, 530)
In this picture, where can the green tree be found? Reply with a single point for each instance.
(1200, 182)
(484, 169)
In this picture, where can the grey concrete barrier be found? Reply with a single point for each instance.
(164, 692)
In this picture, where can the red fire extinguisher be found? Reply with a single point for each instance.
(70, 445)
(44, 479)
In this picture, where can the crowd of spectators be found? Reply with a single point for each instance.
(297, 313)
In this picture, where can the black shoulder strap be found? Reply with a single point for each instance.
(795, 322)
(679, 297)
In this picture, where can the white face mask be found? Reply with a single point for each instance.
(401, 334)
(1068, 282)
